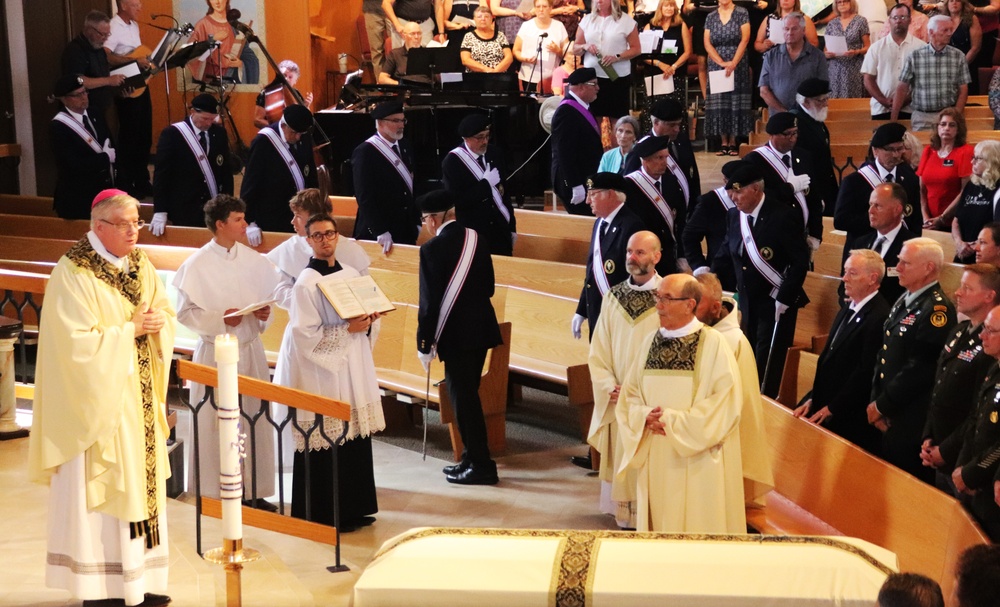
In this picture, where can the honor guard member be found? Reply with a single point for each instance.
(576, 141)
(885, 165)
(977, 470)
(961, 368)
(191, 167)
(786, 171)
(766, 248)
(280, 164)
(81, 144)
(708, 223)
(608, 245)
(841, 389)
(919, 324)
(812, 101)
(628, 315)
(653, 194)
(383, 182)
(668, 116)
(457, 323)
(471, 173)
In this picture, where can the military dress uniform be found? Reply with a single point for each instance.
(576, 151)
(475, 205)
(268, 184)
(890, 288)
(961, 369)
(180, 188)
(914, 335)
(385, 200)
(979, 458)
(81, 170)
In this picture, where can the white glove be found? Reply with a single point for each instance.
(253, 235)
(513, 239)
(385, 239)
(702, 270)
(683, 265)
(158, 224)
(425, 359)
(110, 151)
(492, 176)
(578, 325)
(799, 183)
(579, 195)
(779, 309)
(813, 242)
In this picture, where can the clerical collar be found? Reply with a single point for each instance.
(882, 171)
(651, 285)
(442, 226)
(912, 297)
(323, 266)
(121, 263)
(692, 327)
(227, 254)
(857, 306)
(578, 100)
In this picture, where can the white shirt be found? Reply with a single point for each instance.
(882, 171)
(124, 37)
(890, 237)
(884, 60)
(529, 35)
(610, 37)
(78, 117)
(855, 306)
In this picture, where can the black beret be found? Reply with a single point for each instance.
(813, 87)
(779, 123)
(386, 109)
(435, 201)
(886, 134)
(298, 118)
(744, 175)
(581, 75)
(473, 124)
(730, 167)
(205, 103)
(667, 109)
(606, 181)
(650, 145)
(66, 84)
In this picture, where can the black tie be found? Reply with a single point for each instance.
(89, 126)
(750, 221)
(659, 186)
(787, 159)
(888, 178)
(395, 148)
(847, 320)
(203, 138)
(482, 162)
(604, 229)
(879, 243)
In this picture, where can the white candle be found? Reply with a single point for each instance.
(227, 355)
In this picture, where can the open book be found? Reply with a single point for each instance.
(353, 297)
(251, 308)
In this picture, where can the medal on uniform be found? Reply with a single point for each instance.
(609, 266)
(219, 160)
(939, 319)
(767, 253)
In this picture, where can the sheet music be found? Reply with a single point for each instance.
(776, 33)
(718, 82)
(251, 308)
(836, 44)
(128, 70)
(526, 6)
(659, 85)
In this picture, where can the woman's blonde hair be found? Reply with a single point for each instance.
(657, 20)
(854, 7)
(989, 152)
(616, 9)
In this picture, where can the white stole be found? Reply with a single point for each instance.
(457, 279)
(286, 155)
(386, 150)
(200, 155)
(471, 162)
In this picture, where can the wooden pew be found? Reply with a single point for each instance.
(817, 317)
(863, 103)
(841, 114)
(16, 204)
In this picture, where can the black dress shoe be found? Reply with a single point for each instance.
(261, 504)
(104, 603)
(356, 523)
(582, 461)
(455, 468)
(481, 474)
(155, 600)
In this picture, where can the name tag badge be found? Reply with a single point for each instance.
(948, 162)
(892, 272)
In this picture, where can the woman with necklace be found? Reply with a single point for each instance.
(945, 167)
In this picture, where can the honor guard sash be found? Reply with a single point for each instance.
(727, 202)
(576, 105)
(871, 176)
(457, 280)
(597, 263)
(200, 155)
(646, 185)
(286, 155)
(771, 156)
(80, 130)
(471, 162)
(757, 259)
(682, 179)
(386, 150)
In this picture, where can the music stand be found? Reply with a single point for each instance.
(432, 61)
(187, 53)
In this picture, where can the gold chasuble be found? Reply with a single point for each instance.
(690, 479)
(100, 391)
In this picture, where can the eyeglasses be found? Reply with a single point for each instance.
(989, 329)
(321, 236)
(395, 120)
(100, 33)
(794, 133)
(588, 84)
(124, 226)
(78, 94)
(899, 18)
(481, 136)
(896, 149)
(659, 298)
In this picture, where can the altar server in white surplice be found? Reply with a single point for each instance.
(628, 316)
(222, 277)
(99, 428)
(679, 416)
(720, 313)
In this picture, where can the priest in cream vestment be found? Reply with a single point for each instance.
(99, 429)
(679, 414)
(222, 277)
(721, 314)
(628, 316)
